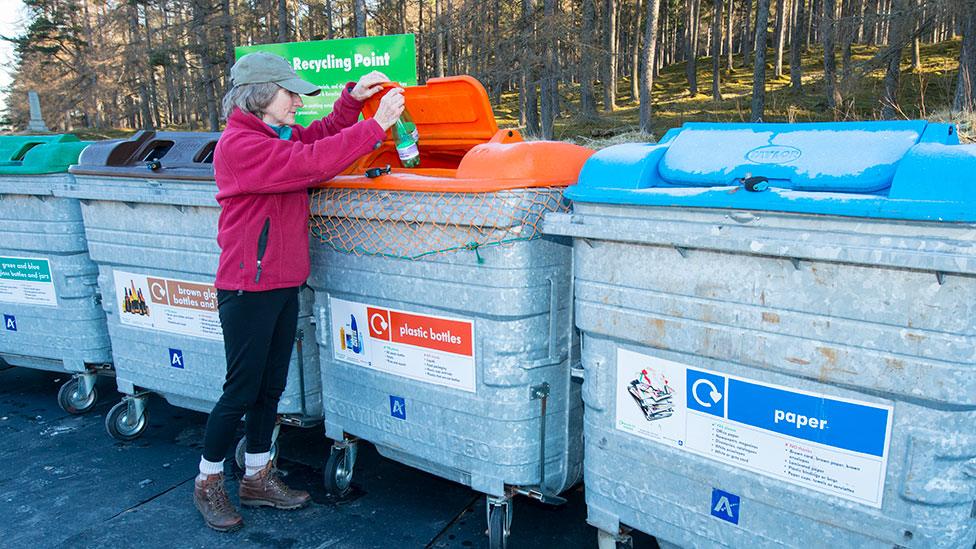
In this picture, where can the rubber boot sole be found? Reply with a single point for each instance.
(236, 526)
(266, 503)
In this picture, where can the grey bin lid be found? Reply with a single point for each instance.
(150, 154)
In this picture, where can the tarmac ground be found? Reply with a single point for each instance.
(67, 483)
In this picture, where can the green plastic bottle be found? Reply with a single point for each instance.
(405, 136)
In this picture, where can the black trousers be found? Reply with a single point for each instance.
(259, 331)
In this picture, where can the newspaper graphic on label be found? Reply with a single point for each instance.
(432, 349)
(834, 445)
(168, 305)
(27, 280)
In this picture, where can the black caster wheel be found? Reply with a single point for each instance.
(498, 527)
(338, 473)
(117, 423)
(242, 447)
(71, 399)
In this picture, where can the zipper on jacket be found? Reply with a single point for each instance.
(262, 245)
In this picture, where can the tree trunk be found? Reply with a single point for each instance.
(282, 20)
(550, 79)
(796, 45)
(898, 35)
(587, 98)
(827, 29)
(691, 48)
(329, 13)
(917, 40)
(846, 29)
(759, 67)
(610, 57)
(728, 37)
(227, 32)
(779, 37)
(359, 17)
(965, 97)
(648, 55)
(747, 42)
(635, 55)
(438, 40)
(137, 66)
(206, 64)
(716, 50)
(527, 89)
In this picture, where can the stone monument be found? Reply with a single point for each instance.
(36, 123)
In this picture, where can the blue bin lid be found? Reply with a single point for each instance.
(901, 169)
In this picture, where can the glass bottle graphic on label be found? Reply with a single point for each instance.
(405, 136)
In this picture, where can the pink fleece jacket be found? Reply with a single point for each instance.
(262, 187)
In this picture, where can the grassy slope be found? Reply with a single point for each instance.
(673, 105)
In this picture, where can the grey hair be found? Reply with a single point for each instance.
(252, 98)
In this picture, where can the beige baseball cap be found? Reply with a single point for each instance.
(260, 67)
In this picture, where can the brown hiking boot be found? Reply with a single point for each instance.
(266, 488)
(210, 498)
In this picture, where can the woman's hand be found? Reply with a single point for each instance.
(391, 106)
(368, 85)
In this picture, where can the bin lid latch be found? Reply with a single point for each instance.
(755, 184)
(373, 173)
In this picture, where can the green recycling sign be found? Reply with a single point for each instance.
(330, 64)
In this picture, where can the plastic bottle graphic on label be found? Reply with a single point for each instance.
(355, 343)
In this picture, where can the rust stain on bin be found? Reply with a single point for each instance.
(894, 364)
(772, 318)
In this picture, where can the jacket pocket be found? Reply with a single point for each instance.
(262, 246)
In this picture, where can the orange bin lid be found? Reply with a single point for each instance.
(454, 116)
(453, 107)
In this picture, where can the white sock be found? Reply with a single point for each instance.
(253, 463)
(209, 468)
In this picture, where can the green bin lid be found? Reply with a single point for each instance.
(39, 154)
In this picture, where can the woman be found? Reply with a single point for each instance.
(264, 165)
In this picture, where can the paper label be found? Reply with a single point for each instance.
(834, 445)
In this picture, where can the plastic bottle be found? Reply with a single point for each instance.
(405, 137)
(410, 124)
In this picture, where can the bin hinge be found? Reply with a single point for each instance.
(539, 391)
(97, 298)
(940, 277)
(577, 373)
(683, 252)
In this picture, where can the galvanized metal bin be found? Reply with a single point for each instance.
(791, 365)
(151, 220)
(49, 298)
(442, 312)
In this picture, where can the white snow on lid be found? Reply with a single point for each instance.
(823, 153)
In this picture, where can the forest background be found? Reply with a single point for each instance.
(565, 69)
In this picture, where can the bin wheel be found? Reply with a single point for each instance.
(242, 446)
(338, 473)
(117, 425)
(498, 527)
(71, 399)
(622, 540)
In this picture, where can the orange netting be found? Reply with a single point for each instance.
(412, 225)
